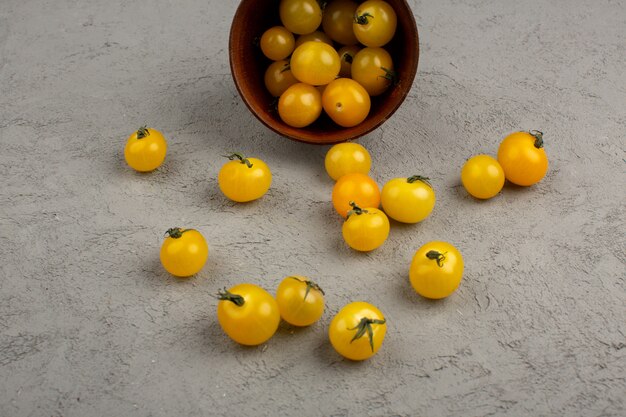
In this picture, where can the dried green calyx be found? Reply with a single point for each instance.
(142, 132)
(538, 138)
(176, 232)
(365, 326)
(240, 157)
(309, 285)
(362, 19)
(390, 75)
(414, 178)
(436, 256)
(355, 210)
(226, 295)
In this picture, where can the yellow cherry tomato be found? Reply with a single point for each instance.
(365, 229)
(357, 331)
(346, 102)
(183, 252)
(315, 63)
(374, 23)
(357, 188)
(300, 300)
(436, 270)
(300, 16)
(300, 105)
(408, 200)
(278, 78)
(277, 43)
(337, 21)
(316, 36)
(347, 158)
(346, 56)
(145, 149)
(244, 179)
(523, 158)
(482, 176)
(248, 314)
(373, 69)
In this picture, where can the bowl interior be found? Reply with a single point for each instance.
(248, 65)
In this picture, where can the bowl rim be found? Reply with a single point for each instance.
(334, 137)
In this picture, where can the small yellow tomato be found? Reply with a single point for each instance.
(145, 149)
(248, 314)
(315, 63)
(375, 23)
(337, 21)
(357, 331)
(346, 102)
(523, 158)
(347, 158)
(183, 252)
(436, 270)
(277, 43)
(408, 200)
(482, 176)
(300, 105)
(244, 179)
(300, 300)
(357, 188)
(300, 16)
(365, 229)
(278, 78)
(373, 69)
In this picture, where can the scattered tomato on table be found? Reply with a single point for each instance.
(244, 179)
(300, 300)
(482, 176)
(183, 252)
(523, 157)
(357, 331)
(408, 200)
(145, 149)
(436, 270)
(347, 158)
(357, 188)
(365, 229)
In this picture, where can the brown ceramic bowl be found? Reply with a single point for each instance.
(248, 65)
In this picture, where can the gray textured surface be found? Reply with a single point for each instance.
(90, 324)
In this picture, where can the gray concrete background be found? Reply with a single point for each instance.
(90, 324)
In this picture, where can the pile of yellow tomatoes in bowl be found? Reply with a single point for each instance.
(309, 74)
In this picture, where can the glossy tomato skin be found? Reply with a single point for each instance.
(184, 252)
(433, 276)
(366, 231)
(145, 150)
(337, 21)
(346, 56)
(346, 102)
(316, 36)
(375, 23)
(300, 301)
(408, 200)
(278, 78)
(347, 158)
(355, 187)
(300, 16)
(345, 325)
(482, 176)
(243, 182)
(277, 43)
(315, 63)
(300, 105)
(373, 69)
(252, 323)
(523, 158)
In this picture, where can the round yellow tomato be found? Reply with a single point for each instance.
(184, 252)
(357, 188)
(300, 16)
(244, 179)
(346, 56)
(347, 158)
(300, 105)
(300, 300)
(408, 200)
(337, 21)
(316, 36)
(374, 23)
(523, 158)
(482, 176)
(365, 229)
(145, 149)
(346, 102)
(278, 78)
(357, 331)
(248, 314)
(436, 270)
(315, 63)
(277, 43)
(373, 69)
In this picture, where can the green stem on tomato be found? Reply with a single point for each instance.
(242, 159)
(175, 232)
(436, 256)
(365, 326)
(142, 132)
(390, 75)
(226, 295)
(538, 138)
(355, 210)
(362, 19)
(309, 285)
(414, 178)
